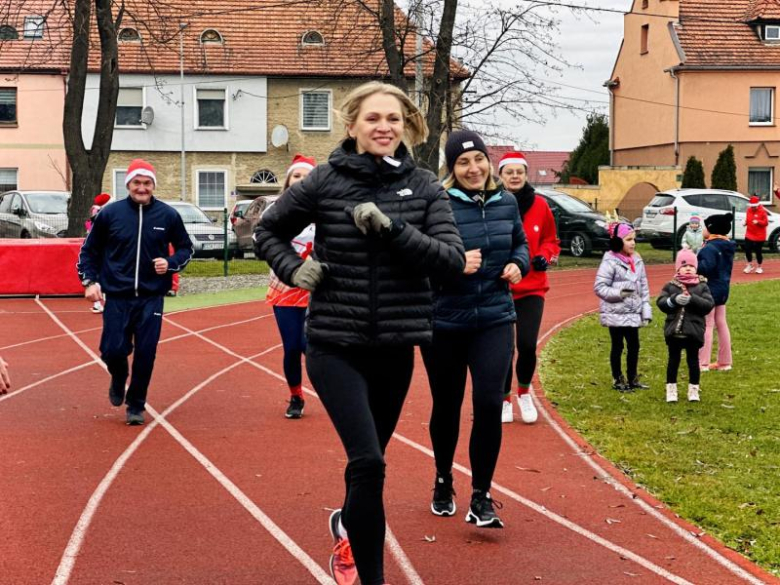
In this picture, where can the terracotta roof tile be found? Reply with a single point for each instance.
(716, 33)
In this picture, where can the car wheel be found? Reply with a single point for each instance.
(580, 245)
(774, 244)
(25, 235)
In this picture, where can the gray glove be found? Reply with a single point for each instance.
(682, 299)
(368, 217)
(309, 274)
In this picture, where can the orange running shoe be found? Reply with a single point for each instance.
(342, 564)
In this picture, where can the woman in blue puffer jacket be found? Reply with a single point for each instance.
(473, 325)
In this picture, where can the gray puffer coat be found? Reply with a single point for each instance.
(614, 276)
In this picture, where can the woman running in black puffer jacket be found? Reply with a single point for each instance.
(383, 226)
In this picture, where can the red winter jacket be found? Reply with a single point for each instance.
(539, 225)
(756, 232)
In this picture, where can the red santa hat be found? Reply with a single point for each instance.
(140, 167)
(301, 162)
(102, 199)
(753, 201)
(512, 158)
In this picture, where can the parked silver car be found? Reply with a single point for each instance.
(208, 238)
(33, 214)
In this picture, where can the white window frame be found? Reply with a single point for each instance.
(771, 121)
(140, 126)
(196, 112)
(776, 29)
(16, 172)
(330, 110)
(771, 170)
(33, 33)
(197, 188)
(306, 43)
(118, 185)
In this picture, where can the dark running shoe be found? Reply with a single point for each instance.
(295, 409)
(481, 511)
(116, 393)
(342, 563)
(135, 418)
(621, 385)
(635, 384)
(443, 503)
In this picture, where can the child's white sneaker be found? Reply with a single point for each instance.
(671, 392)
(506, 412)
(527, 409)
(748, 268)
(759, 270)
(693, 393)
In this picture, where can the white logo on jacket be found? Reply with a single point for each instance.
(404, 192)
(159, 229)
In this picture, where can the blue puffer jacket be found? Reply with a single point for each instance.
(125, 239)
(716, 259)
(482, 299)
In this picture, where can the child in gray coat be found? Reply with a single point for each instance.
(686, 300)
(621, 284)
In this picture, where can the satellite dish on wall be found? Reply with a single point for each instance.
(279, 136)
(147, 115)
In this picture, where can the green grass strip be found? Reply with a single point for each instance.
(213, 299)
(715, 463)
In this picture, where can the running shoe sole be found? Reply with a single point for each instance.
(333, 524)
(472, 518)
(444, 512)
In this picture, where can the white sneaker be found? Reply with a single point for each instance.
(97, 307)
(759, 270)
(704, 368)
(527, 409)
(748, 269)
(693, 393)
(671, 392)
(506, 413)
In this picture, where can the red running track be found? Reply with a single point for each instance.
(222, 489)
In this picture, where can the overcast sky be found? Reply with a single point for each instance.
(592, 44)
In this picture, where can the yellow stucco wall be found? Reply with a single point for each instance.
(615, 182)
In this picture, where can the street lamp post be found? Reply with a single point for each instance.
(183, 194)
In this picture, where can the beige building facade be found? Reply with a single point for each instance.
(688, 84)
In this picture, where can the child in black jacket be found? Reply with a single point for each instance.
(686, 300)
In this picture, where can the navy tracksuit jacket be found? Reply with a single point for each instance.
(119, 253)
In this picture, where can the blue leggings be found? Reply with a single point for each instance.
(290, 321)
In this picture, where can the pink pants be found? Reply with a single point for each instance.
(717, 320)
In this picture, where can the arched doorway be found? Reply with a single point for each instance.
(636, 199)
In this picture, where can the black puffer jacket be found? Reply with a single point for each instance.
(685, 321)
(488, 221)
(376, 291)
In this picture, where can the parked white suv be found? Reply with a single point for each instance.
(658, 216)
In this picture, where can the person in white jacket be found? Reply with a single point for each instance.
(624, 307)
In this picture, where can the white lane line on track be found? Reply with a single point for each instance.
(73, 547)
(607, 478)
(395, 549)
(534, 506)
(49, 338)
(87, 364)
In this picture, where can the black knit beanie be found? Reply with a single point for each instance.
(462, 141)
(719, 224)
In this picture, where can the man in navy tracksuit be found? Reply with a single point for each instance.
(125, 257)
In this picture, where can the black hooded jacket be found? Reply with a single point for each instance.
(376, 291)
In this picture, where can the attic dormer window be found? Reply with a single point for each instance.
(211, 36)
(772, 33)
(129, 35)
(313, 38)
(8, 33)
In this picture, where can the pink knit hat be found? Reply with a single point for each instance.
(685, 258)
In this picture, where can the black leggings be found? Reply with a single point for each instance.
(487, 354)
(676, 345)
(529, 319)
(631, 335)
(752, 246)
(363, 390)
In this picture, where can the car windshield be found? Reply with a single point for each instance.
(661, 200)
(571, 204)
(191, 214)
(48, 203)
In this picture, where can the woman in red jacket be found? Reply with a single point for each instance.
(756, 221)
(543, 248)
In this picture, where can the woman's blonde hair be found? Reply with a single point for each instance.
(415, 128)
